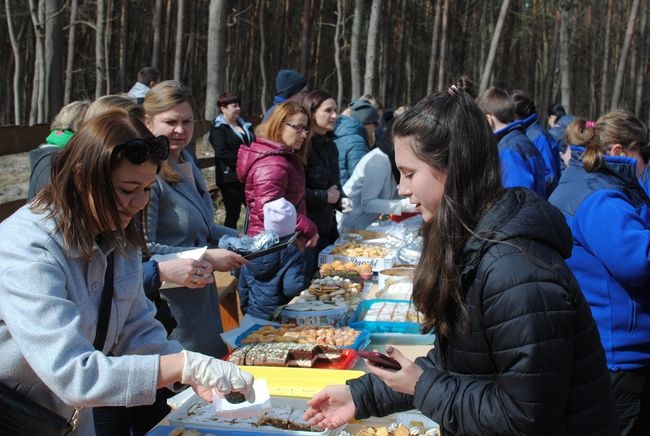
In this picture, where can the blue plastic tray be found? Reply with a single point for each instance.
(360, 343)
(386, 332)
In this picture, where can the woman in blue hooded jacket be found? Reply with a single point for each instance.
(609, 216)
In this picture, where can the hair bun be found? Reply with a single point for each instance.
(455, 90)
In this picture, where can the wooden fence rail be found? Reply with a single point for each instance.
(18, 139)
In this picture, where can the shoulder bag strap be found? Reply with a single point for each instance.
(105, 305)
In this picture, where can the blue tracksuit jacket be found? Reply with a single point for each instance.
(609, 216)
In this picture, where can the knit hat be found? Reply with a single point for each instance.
(280, 216)
(289, 82)
(364, 112)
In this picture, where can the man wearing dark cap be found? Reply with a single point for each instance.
(290, 85)
(354, 135)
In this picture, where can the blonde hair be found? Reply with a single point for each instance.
(71, 116)
(113, 102)
(614, 127)
(272, 127)
(161, 98)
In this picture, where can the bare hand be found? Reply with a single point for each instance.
(403, 380)
(313, 241)
(224, 260)
(333, 194)
(186, 272)
(331, 408)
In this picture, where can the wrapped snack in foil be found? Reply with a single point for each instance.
(246, 244)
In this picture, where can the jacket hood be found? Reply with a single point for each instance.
(259, 149)
(220, 120)
(346, 126)
(519, 214)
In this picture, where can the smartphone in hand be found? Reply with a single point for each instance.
(381, 360)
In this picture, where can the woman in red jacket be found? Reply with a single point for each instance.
(273, 168)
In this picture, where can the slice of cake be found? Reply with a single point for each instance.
(277, 417)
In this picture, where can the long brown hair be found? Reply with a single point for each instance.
(84, 168)
(614, 127)
(449, 132)
(272, 127)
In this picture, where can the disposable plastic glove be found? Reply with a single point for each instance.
(406, 205)
(210, 372)
(346, 205)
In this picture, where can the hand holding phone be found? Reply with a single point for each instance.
(381, 360)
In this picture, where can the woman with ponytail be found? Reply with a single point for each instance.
(609, 216)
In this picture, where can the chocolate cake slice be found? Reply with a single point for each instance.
(329, 353)
(302, 355)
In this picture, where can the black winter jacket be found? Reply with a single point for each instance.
(531, 362)
(225, 143)
(321, 172)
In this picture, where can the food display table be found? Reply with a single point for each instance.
(293, 385)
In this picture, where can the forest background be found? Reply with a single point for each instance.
(588, 55)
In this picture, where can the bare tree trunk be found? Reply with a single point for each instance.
(18, 66)
(487, 71)
(443, 46)
(99, 50)
(605, 73)
(108, 30)
(216, 56)
(337, 51)
(178, 46)
(72, 45)
(262, 53)
(37, 113)
(166, 69)
(305, 36)
(157, 30)
(565, 52)
(355, 52)
(122, 49)
(54, 55)
(618, 84)
(643, 59)
(434, 47)
(371, 49)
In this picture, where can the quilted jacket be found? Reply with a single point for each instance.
(322, 172)
(351, 140)
(270, 171)
(530, 361)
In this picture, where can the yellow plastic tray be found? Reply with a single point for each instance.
(300, 382)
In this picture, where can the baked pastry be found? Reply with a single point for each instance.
(284, 354)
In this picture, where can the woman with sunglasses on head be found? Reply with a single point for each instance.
(181, 217)
(516, 349)
(178, 271)
(76, 330)
(608, 212)
(272, 169)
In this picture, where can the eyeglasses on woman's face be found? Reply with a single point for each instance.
(298, 128)
(139, 150)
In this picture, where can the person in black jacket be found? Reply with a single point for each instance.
(324, 194)
(228, 133)
(517, 350)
